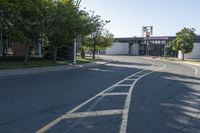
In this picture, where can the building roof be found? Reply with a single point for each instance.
(135, 39)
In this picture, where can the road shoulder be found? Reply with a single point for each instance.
(36, 70)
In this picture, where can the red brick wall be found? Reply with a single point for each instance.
(18, 49)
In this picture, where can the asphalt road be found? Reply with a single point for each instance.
(129, 95)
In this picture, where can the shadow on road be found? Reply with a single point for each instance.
(30, 101)
(162, 102)
(165, 102)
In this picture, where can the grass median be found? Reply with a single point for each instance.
(12, 64)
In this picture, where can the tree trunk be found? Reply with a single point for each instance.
(4, 52)
(93, 52)
(26, 55)
(82, 53)
(55, 54)
(29, 53)
(183, 55)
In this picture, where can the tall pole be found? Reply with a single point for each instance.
(74, 62)
(147, 47)
(78, 2)
(0, 43)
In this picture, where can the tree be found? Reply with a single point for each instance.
(8, 16)
(23, 23)
(97, 29)
(105, 40)
(184, 41)
(102, 41)
(31, 24)
(58, 22)
(63, 23)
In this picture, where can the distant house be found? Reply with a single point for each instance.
(16, 49)
(152, 46)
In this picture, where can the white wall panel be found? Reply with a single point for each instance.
(195, 54)
(118, 48)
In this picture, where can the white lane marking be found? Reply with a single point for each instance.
(131, 79)
(93, 114)
(138, 75)
(106, 90)
(196, 70)
(56, 121)
(188, 65)
(114, 94)
(81, 115)
(98, 69)
(124, 85)
(123, 126)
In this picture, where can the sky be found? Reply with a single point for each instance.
(128, 16)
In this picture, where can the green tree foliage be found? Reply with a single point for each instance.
(184, 41)
(64, 22)
(8, 14)
(21, 20)
(99, 38)
(105, 40)
(58, 22)
(101, 41)
(6, 20)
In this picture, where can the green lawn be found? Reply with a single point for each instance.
(41, 63)
(20, 64)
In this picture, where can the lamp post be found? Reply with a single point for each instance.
(78, 2)
(77, 39)
(165, 50)
(106, 22)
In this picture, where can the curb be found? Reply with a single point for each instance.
(184, 62)
(190, 63)
(37, 70)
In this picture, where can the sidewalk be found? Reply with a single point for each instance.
(191, 63)
(185, 62)
(35, 70)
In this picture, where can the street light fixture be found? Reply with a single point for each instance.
(106, 22)
(78, 2)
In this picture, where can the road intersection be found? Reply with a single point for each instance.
(142, 96)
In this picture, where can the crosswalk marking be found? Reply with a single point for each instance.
(93, 114)
(131, 79)
(97, 98)
(115, 94)
(124, 85)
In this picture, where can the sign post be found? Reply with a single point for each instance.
(77, 44)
